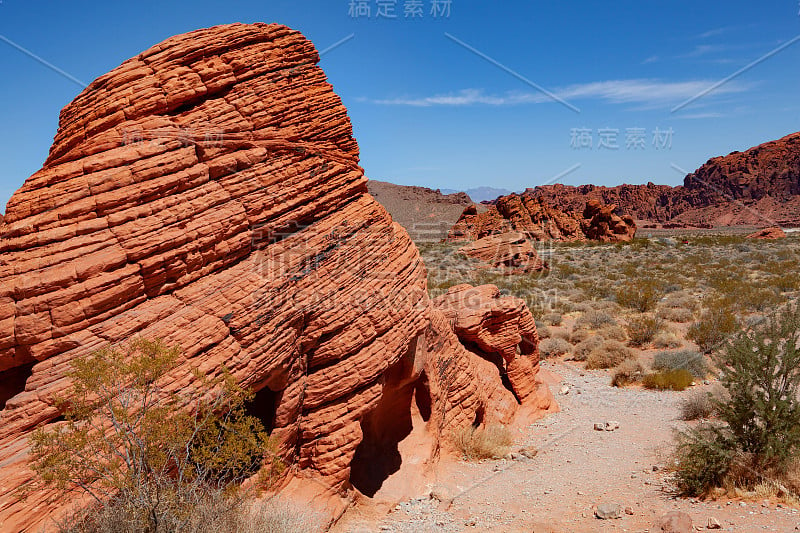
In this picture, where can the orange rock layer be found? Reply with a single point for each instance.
(207, 192)
(539, 221)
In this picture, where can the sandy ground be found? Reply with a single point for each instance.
(576, 469)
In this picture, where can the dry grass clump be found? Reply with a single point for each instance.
(675, 314)
(582, 350)
(579, 335)
(716, 324)
(676, 380)
(491, 442)
(595, 319)
(608, 355)
(697, 406)
(642, 329)
(554, 347)
(667, 339)
(692, 361)
(628, 372)
(553, 319)
(614, 333)
(215, 513)
(641, 294)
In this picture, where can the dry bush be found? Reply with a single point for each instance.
(676, 314)
(716, 324)
(609, 355)
(641, 329)
(681, 300)
(667, 339)
(690, 360)
(641, 294)
(579, 335)
(676, 380)
(554, 347)
(594, 319)
(696, 406)
(582, 350)
(491, 442)
(543, 332)
(553, 319)
(628, 372)
(614, 333)
(560, 334)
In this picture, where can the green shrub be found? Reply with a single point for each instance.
(137, 447)
(716, 324)
(758, 438)
(676, 380)
(641, 329)
(690, 360)
(641, 294)
(608, 355)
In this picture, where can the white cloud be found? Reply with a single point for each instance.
(648, 92)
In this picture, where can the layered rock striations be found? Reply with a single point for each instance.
(540, 221)
(207, 192)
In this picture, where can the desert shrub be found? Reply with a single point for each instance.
(151, 454)
(675, 314)
(490, 442)
(681, 300)
(640, 294)
(676, 380)
(553, 319)
(582, 350)
(690, 360)
(667, 339)
(554, 347)
(628, 372)
(211, 514)
(716, 324)
(759, 436)
(614, 333)
(544, 332)
(595, 319)
(579, 335)
(696, 406)
(641, 329)
(560, 334)
(608, 355)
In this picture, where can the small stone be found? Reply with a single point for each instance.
(564, 390)
(713, 523)
(529, 451)
(611, 425)
(608, 511)
(471, 522)
(599, 426)
(675, 522)
(629, 511)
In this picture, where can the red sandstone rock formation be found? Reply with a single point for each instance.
(512, 252)
(207, 192)
(541, 222)
(760, 185)
(768, 233)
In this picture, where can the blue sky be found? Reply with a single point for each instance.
(504, 94)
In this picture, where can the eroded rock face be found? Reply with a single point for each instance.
(768, 233)
(539, 221)
(512, 252)
(207, 192)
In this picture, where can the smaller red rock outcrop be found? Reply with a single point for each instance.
(512, 252)
(539, 221)
(768, 233)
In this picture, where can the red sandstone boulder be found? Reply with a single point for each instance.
(512, 252)
(538, 221)
(207, 192)
(768, 233)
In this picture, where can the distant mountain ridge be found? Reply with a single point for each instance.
(481, 194)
